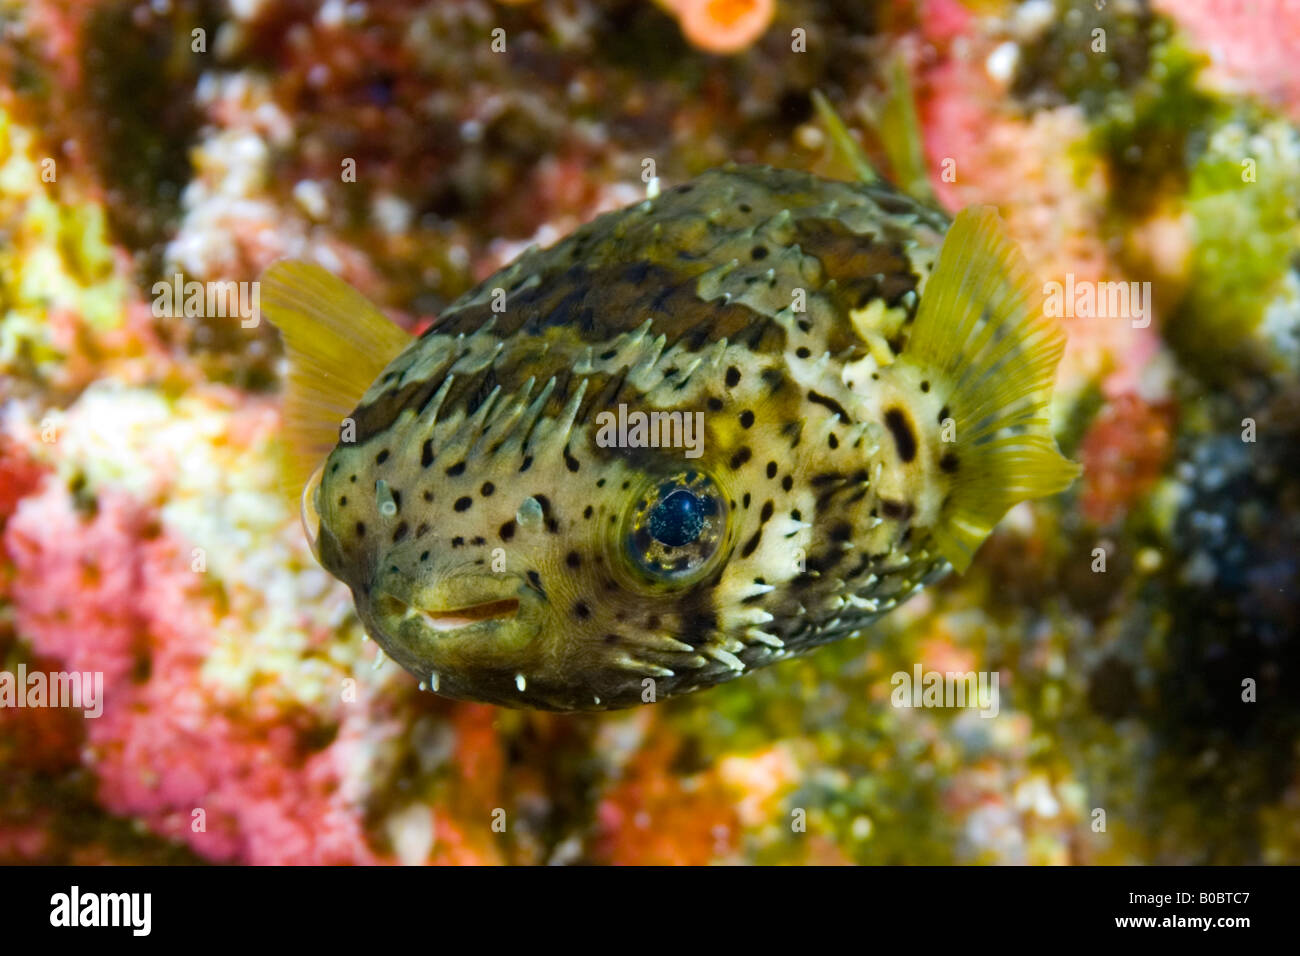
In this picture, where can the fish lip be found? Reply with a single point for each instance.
(498, 610)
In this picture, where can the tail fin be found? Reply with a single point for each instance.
(981, 336)
(337, 343)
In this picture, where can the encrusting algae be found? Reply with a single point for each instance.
(872, 394)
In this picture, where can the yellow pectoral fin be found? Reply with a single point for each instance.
(337, 343)
(982, 338)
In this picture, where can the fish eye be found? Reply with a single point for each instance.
(677, 519)
(676, 526)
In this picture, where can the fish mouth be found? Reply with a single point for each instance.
(453, 619)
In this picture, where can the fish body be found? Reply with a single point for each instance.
(697, 436)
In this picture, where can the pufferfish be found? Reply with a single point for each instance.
(871, 381)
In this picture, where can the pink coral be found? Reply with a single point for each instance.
(115, 594)
(1252, 46)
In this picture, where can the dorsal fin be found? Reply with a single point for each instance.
(843, 139)
(337, 343)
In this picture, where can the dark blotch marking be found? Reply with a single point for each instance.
(573, 559)
(752, 544)
(949, 463)
(901, 428)
(426, 453)
(733, 376)
(381, 457)
(766, 513)
(456, 469)
(361, 529)
(787, 482)
(758, 252)
(581, 610)
(507, 531)
(535, 580)
(771, 469)
(463, 503)
(746, 418)
(487, 489)
(898, 510)
(836, 407)
(400, 533)
(740, 457)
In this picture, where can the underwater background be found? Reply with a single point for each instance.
(1143, 625)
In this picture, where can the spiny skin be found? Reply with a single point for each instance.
(827, 473)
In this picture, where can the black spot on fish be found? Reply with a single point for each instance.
(487, 489)
(771, 469)
(830, 403)
(456, 469)
(766, 513)
(752, 544)
(758, 253)
(898, 510)
(573, 559)
(746, 418)
(714, 404)
(463, 503)
(400, 532)
(740, 457)
(581, 610)
(426, 453)
(381, 457)
(949, 463)
(507, 531)
(901, 428)
(361, 529)
(787, 482)
(732, 377)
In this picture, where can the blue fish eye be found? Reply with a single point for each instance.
(678, 519)
(675, 528)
